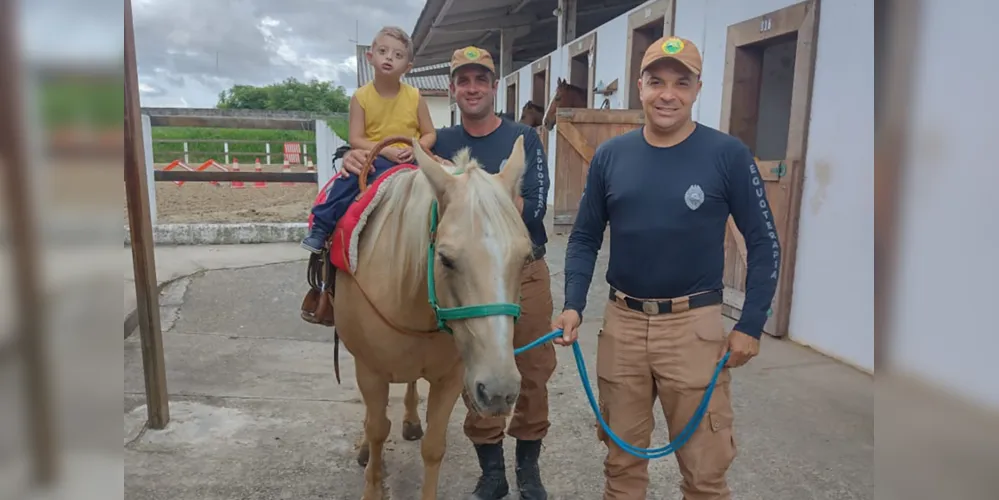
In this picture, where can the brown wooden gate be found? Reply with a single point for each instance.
(783, 175)
(579, 132)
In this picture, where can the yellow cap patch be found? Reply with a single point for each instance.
(472, 53)
(673, 46)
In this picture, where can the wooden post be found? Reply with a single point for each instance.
(566, 22)
(140, 227)
(506, 54)
(17, 196)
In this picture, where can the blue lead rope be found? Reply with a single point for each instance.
(642, 453)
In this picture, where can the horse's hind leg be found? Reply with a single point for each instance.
(375, 391)
(363, 450)
(412, 429)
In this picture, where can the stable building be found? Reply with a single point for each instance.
(782, 75)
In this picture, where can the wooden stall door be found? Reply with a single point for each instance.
(578, 134)
(769, 65)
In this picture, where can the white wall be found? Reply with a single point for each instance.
(440, 110)
(943, 326)
(835, 256)
(832, 306)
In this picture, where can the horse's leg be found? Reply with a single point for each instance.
(375, 392)
(362, 452)
(443, 395)
(412, 429)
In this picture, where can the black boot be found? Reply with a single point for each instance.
(528, 472)
(492, 483)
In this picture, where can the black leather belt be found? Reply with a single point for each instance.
(679, 304)
(537, 253)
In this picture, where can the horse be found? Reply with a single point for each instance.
(532, 114)
(567, 95)
(434, 295)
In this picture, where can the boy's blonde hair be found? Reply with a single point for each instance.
(398, 34)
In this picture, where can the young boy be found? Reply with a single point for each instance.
(384, 107)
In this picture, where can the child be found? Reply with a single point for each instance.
(384, 107)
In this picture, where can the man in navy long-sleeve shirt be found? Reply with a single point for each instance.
(490, 139)
(667, 190)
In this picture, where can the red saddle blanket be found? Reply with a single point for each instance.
(343, 249)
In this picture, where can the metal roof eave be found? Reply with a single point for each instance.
(446, 25)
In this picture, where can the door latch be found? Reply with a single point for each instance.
(780, 170)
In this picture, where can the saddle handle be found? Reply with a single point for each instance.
(362, 180)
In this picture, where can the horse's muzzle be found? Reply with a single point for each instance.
(496, 396)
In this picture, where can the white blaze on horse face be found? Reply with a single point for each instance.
(551, 102)
(503, 335)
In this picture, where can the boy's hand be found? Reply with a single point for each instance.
(391, 153)
(405, 155)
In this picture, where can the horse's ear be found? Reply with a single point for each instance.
(513, 171)
(439, 178)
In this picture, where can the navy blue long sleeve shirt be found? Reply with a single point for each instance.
(492, 151)
(667, 208)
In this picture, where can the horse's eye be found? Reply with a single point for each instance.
(446, 261)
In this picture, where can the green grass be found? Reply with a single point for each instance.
(199, 152)
(69, 102)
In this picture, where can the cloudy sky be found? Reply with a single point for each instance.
(190, 50)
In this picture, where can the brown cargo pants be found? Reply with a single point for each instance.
(672, 357)
(530, 416)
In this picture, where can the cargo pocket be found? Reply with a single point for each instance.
(601, 435)
(723, 448)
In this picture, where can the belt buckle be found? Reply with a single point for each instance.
(650, 308)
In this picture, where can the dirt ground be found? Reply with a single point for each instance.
(204, 202)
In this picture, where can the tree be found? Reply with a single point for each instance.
(290, 95)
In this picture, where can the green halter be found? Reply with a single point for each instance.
(465, 312)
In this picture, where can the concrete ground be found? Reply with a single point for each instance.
(256, 412)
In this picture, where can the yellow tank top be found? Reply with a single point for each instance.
(388, 117)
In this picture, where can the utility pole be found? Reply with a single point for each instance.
(357, 35)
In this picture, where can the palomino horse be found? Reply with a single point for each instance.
(567, 95)
(442, 250)
(531, 115)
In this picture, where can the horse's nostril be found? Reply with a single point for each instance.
(480, 391)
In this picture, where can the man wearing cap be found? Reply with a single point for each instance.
(667, 190)
(490, 139)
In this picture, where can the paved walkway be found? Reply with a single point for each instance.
(257, 413)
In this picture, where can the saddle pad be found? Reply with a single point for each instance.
(343, 251)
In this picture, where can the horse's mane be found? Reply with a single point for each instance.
(402, 219)
(577, 88)
(536, 107)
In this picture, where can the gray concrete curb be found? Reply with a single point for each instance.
(132, 316)
(225, 234)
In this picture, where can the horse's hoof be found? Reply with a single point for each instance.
(362, 456)
(411, 431)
